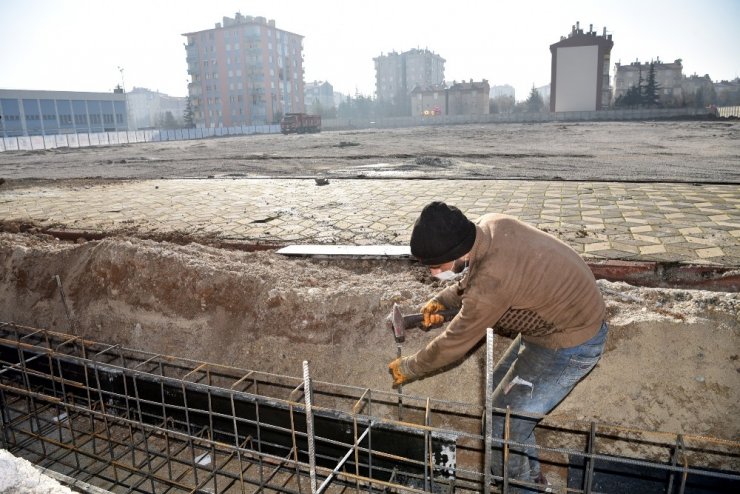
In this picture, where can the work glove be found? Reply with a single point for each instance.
(428, 313)
(399, 377)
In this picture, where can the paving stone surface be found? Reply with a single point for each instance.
(684, 223)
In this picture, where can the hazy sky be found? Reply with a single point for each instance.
(78, 45)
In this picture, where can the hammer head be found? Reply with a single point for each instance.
(395, 323)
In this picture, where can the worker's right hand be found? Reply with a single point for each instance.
(428, 313)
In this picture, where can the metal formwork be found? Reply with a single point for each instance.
(124, 420)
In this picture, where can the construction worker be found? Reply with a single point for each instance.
(525, 284)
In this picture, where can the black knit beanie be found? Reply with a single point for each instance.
(441, 234)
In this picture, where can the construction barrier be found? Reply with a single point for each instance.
(79, 140)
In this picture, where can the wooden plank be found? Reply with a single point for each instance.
(358, 251)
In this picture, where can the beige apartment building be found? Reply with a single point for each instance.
(461, 98)
(668, 76)
(245, 71)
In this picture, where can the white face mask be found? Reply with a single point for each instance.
(446, 275)
(458, 270)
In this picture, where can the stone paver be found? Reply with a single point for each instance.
(601, 220)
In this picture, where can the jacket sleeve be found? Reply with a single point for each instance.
(461, 335)
(451, 296)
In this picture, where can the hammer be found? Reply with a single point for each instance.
(398, 322)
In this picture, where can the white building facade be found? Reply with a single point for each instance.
(580, 71)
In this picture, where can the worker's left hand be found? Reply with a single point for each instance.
(399, 377)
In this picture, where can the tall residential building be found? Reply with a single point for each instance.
(668, 76)
(397, 74)
(244, 72)
(30, 113)
(148, 109)
(579, 78)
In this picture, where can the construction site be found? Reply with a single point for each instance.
(213, 316)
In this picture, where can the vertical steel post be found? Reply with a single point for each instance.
(307, 392)
(590, 462)
(400, 389)
(428, 470)
(488, 429)
(674, 461)
(507, 421)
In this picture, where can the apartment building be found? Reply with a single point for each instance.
(579, 78)
(698, 90)
(148, 109)
(318, 94)
(397, 74)
(460, 98)
(668, 76)
(245, 71)
(502, 90)
(33, 113)
(728, 92)
(469, 98)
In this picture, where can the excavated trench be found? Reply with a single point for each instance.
(671, 363)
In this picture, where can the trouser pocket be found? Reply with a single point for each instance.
(575, 370)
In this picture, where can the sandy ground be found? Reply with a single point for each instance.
(671, 362)
(668, 151)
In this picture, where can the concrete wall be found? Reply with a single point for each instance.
(584, 116)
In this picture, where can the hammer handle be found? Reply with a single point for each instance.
(412, 320)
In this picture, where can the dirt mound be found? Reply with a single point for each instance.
(671, 362)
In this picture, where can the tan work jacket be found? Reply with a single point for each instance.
(520, 280)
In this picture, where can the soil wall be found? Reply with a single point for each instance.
(671, 362)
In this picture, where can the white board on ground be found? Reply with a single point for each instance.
(346, 250)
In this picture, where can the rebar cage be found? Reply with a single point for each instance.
(124, 420)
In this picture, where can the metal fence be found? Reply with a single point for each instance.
(729, 111)
(80, 140)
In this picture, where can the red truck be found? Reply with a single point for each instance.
(300, 123)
